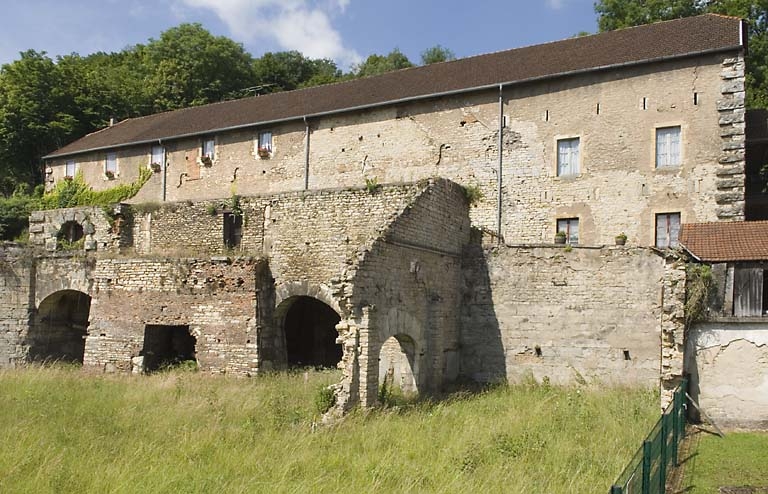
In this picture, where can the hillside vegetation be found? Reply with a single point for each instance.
(63, 431)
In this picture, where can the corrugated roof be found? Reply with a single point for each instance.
(727, 241)
(643, 44)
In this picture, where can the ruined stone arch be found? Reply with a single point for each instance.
(306, 317)
(59, 327)
(399, 355)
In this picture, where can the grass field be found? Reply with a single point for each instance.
(65, 431)
(740, 459)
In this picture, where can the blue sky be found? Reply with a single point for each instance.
(344, 30)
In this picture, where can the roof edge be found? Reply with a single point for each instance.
(741, 46)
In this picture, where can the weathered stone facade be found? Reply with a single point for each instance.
(422, 280)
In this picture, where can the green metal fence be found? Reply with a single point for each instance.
(647, 472)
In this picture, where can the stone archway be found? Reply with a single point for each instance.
(59, 327)
(398, 366)
(309, 329)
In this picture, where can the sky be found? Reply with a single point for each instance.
(346, 31)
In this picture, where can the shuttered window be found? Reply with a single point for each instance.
(567, 157)
(110, 164)
(667, 147)
(667, 229)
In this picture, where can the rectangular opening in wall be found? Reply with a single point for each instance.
(695, 98)
(167, 346)
(233, 230)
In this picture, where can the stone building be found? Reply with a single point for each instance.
(404, 225)
(727, 348)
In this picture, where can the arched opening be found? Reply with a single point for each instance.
(59, 328)
(69, 234)
(397, 366)
(310, 333)
(167, 346)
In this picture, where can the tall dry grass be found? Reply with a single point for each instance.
(65, 431)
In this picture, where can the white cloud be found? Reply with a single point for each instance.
(300, 25)
(555, 4)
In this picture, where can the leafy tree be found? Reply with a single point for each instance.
(287, 70)
(379, 64)
(36, 117)
(615, 14)
(189, 66)
(436, 54)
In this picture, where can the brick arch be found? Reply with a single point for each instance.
(321, 292)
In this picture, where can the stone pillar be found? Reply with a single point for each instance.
(672, 327)
(730, 172)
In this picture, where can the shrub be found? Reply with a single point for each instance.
(473, 194)
(324, 399)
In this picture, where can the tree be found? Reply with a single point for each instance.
(615, 14)
(189, 66)
(379, 64)
(36, 117)
(436, 54)
(287, 70)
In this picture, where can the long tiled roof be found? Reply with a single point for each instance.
(727, 241)
(643, 44)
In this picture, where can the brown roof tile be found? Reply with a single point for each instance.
(671, 39)
(727, 241)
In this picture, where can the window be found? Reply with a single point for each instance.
(667, 229)
(570, 226)
(667, 147)
(158, 155)
(69, 168)
(110, 164)
(265, 143)
(567, 157)
(209, 148)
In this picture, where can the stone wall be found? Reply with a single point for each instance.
(580, 315)
(215, 298)
(16, 283)
(728, 364)
(407, 285)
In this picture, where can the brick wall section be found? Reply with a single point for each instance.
(16, 283)
(216, 298)
(561, 315)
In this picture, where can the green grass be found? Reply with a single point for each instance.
(738, 459)
(63, 430)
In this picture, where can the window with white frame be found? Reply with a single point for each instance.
(265, 143)
(569, 226)
(568, 157)
(668, 147)
(110, 164)
(667, 229)
(69, 168)
(158, 155)
(209, 148)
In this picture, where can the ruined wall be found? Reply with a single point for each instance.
(16, 282)
(97, 228)
(728, 363)
(407, 285)
(215, 297)
(614, 114)
(569, 316)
